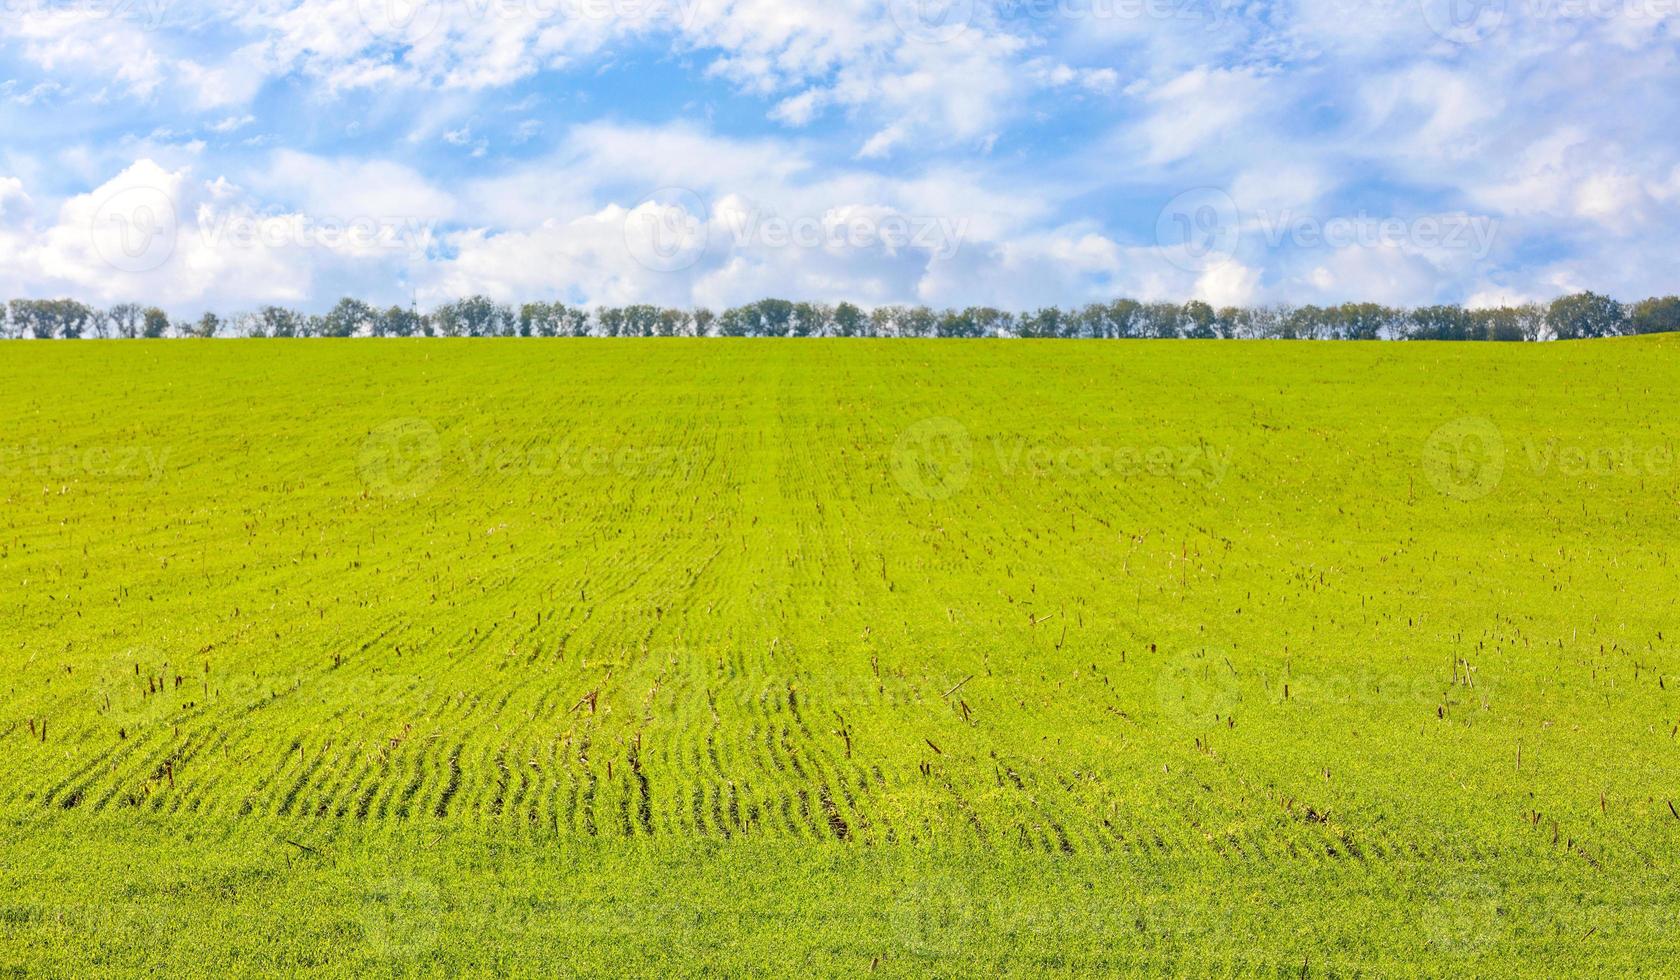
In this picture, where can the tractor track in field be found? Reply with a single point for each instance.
(748, 615)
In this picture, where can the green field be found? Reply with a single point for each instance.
(827, 657)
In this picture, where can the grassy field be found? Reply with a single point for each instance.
(824, 658)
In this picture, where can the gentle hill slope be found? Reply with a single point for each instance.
(942, 657)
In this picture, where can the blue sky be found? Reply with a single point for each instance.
(952, 152)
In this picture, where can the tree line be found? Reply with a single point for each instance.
(1577, 316)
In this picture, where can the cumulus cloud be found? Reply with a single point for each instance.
(169, 237)
(514, 141)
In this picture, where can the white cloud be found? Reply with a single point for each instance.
(1378, 274)
(34, 95)
(348, 189)
(1227, 283)
(166, 237)
(1199, 107)
(799, 110)
(1053, 139)
(882, 143)
(232, 123)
